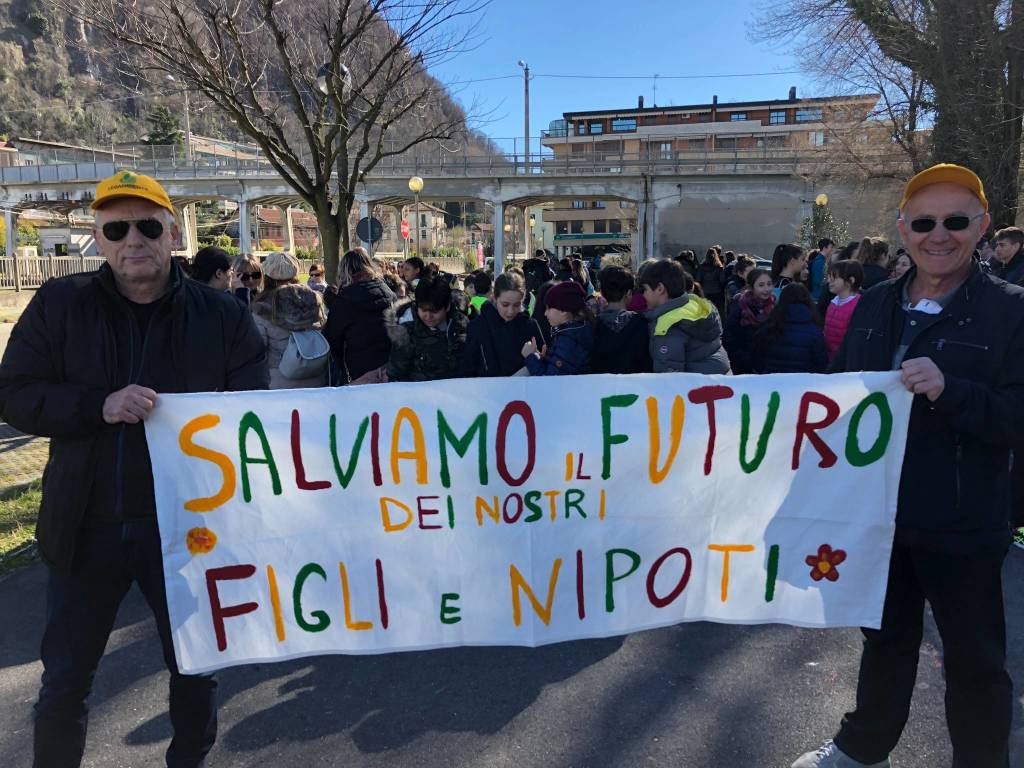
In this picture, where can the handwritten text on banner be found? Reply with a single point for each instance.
(521, 511)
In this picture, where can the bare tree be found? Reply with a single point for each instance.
(837, 49)
(958, 62)
(259, 62)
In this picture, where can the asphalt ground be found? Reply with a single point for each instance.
(690, 696)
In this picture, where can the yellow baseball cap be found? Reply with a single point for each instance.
(131, 184)
(945, 173)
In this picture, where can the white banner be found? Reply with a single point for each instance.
(521, 511)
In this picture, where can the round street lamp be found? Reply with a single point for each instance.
(416, 186)
(821, 199)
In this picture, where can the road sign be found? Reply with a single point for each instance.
(405, 228)
(370, 230)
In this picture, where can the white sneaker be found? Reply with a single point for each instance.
(830, 756)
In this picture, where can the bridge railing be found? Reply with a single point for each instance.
(438, 160)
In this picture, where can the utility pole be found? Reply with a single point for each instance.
(526, 115)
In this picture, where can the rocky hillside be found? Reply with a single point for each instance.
(58, 90)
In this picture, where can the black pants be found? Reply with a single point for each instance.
(80, 612)
(966, 596)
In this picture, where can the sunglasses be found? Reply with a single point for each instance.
(250, 276)
(951, 223)
(118, 230)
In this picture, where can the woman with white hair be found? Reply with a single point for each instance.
(282, 308)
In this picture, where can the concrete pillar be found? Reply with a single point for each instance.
(287, 228)
(11, 247)
(499, 237)
(189, 239)
(244, 233)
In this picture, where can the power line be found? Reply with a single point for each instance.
(670, 77)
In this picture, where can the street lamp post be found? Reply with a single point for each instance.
(507, 238)
(416, 186)
(526, 115)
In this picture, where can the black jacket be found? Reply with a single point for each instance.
(800, 348)
(873, 275)
(955, 488)
(621, 343)
(494, 346)
(1012, 271)
(355, 327)
(712, 279)
(77, 342)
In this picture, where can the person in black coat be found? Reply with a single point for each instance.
(791, 340)
(88, 360)
(495, 338)
(712, 278)
(621, 340)
(956, 337)
(355, 326)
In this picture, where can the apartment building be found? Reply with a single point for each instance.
(678, 132)
(591, 227)
(686, 136)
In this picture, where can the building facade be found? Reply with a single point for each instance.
(684, 138)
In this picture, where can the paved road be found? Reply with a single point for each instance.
(691, 696)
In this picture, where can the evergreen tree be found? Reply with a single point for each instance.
(820, 224)
(164, 127)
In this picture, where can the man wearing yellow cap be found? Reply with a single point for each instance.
(85, 366)
(957, 335)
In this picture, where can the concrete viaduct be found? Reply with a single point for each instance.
(751, 204)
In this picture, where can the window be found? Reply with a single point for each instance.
(809, 115)
(665, 150)
(736, 117)
(698, 144)
(817, 138)
(624, 125)
(615, 225)
(623, 204)
(777, 117)
(579, 203)
(597, 204)
(580, 128)
(771, 142)
(561, 227)
(423, 220)
(600, 226)
(726, 143)
(576, 227)
(595, 127)
(649, 120)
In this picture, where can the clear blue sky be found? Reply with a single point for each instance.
(614, 37)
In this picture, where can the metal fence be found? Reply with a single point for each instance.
(439, 160)
(22, 272)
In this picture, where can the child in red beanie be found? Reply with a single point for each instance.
(572, 334)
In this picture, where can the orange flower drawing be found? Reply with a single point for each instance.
(823, 565)
(200, 541)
